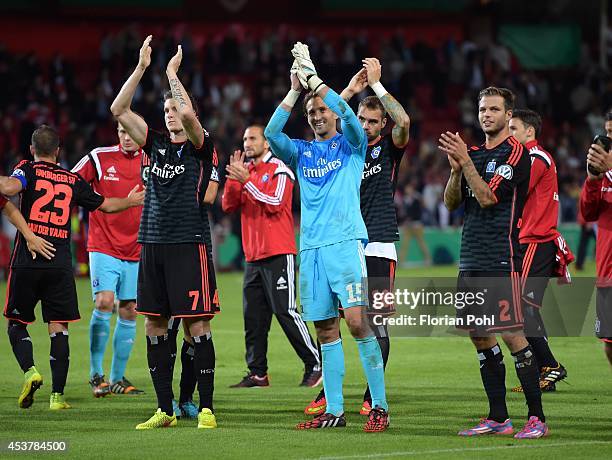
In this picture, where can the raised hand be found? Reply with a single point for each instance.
(306, 67)
(359, 82)
(175, 62)
(455, 149)
(373, 69)
(296, 83)
(38, 245)
(237, 170)
(237, 157)
(599, 160)
(144, 58)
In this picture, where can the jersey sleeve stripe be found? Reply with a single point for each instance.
(517, 149)
(96, 161)
(276, 199)
(494, 183)
(81, 164)
(282, 169)
(541, 155)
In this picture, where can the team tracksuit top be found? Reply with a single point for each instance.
(265, 203)
(112, 172)
(596, 206)
(541, 211)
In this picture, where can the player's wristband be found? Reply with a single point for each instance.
(314, 82)
(291, 97)
(379, 89)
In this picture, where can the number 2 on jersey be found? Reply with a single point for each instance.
(60, 194)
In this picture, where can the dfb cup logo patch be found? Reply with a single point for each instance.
(505, 171)
(491, 166)
(375, 152)
(265, 178)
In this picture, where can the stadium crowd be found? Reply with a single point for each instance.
(236, 77)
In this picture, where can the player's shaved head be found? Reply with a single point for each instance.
(45, 141)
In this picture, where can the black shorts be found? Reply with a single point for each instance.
(176, 280)
(53, 287)
(538, 268)
(603, 319)
(381, 279)
(491, 302)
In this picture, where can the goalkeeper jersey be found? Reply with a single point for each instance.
(329, 173)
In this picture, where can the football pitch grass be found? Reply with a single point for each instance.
(433, 387)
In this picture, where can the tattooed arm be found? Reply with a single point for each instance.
(452, 193)
(482, 192)
(395, 110)
(455, 148)
(189, 119)
(401, 131)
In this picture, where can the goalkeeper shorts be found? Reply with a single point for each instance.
(331, 276)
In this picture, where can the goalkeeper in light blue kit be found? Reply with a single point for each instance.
(333, 235)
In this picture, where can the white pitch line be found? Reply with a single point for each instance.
(466, 449)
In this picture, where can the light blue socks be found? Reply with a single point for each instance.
(123, 341)
(99, 330)
(333, 375)
(372, 362)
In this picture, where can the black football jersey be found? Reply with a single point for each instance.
(177, 175)
(378, 184)
(490, 238)
(49, 193)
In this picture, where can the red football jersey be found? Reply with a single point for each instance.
(596, 206)
(112, 172)
(541, 212)
(265, 209)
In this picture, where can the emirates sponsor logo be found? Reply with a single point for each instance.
(322, 169)
(168, 171)
(370, 171)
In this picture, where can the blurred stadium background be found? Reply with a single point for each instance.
(63, 61)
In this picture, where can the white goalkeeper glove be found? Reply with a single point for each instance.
(295, 70)
(306, 70)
